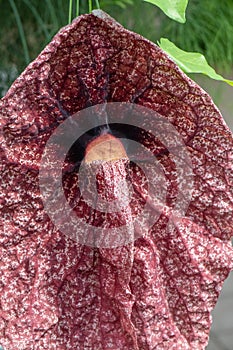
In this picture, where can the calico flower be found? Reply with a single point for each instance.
(157, 290)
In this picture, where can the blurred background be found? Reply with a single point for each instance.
(28, 25)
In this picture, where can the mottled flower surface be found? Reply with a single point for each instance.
(155, 292)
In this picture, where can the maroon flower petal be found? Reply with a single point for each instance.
(154, 293)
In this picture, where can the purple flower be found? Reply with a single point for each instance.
(156, 292)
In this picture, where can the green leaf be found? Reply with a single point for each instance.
(190, 62)
(175, 9)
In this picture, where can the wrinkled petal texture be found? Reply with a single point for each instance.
(155, 293)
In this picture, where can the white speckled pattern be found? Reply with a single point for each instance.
(156, 293)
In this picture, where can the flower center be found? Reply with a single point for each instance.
(105, 147)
